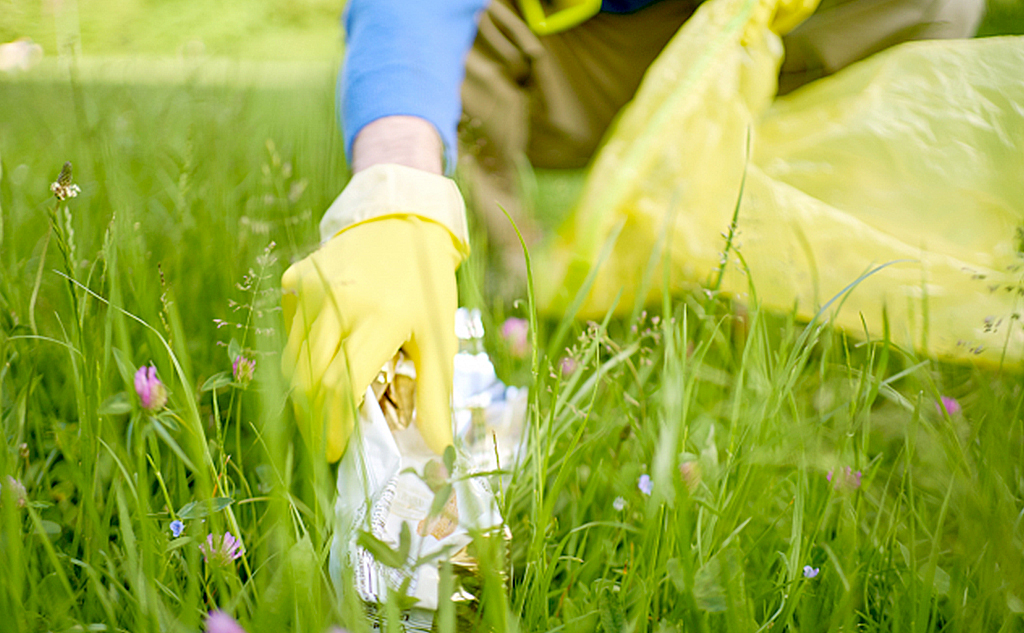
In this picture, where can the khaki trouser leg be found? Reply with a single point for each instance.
(548, 101)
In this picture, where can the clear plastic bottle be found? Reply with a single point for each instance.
(488, 414)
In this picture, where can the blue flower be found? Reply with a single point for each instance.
(177, 527)
(645, 484)
(811, 572)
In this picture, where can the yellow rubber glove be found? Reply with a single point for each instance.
(377, 286)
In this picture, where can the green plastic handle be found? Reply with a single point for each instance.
(541, 23)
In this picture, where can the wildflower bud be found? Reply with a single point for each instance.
(220, 622)
(567, 365)
(515, 331)
(17, 490)
(151, 391)
(243, 369)
(948, 406)
(228, 549)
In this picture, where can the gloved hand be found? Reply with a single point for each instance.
(379, 285)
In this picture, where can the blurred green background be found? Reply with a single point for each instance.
(257, 29)
(291, 30)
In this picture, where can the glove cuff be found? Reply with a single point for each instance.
(394, 190)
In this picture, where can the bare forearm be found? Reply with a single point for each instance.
(402, 140)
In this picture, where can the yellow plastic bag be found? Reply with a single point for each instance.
(913, 158)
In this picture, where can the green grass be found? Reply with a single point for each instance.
(1003, 17)
(736, 415)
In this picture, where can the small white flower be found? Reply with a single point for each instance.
(63, 188)
(619, 504)
(63, 192)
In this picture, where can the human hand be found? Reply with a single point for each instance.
(375, 287)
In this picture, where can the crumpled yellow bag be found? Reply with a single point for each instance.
(912, 158)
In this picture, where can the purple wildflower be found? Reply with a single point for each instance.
(811, 572)
(177, 527)
(947, 405)
(847, 479)
(645, 484)
(567, 365)
(222, 553)
(515, 330)
(220, 622)
(152, 393)
(243, 369)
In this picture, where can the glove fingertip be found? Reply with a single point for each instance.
(291, 278)
(433, 413)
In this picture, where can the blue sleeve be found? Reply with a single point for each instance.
(625, 6)
(406, 57)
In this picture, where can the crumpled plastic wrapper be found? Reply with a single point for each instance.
(388, 478)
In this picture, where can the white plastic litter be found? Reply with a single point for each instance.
(389, 477)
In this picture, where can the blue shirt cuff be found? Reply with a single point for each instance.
(407, 57)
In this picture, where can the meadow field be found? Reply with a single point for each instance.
(698, 466)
